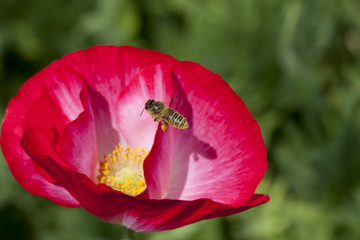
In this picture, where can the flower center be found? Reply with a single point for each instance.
(123, 170)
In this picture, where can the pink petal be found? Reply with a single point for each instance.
(64, 85)
(106, 135)
(125, 77)
(85, 140)
(153, 82)
(157, 166)
(108, 69)
(222, 155)
(138, 214)
(31, 98)
(77, 144)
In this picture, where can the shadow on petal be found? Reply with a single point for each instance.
(106, 136)
(193, 146)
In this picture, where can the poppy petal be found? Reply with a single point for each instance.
(153, 82)
(144, 215)
(109, 69)
(77, 144)
(226, 164)
(64, 85)
(22, 111)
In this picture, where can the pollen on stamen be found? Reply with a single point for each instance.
(123, 170)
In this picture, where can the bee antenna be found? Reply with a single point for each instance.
(142, 111)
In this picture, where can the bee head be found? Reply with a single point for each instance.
(149, 103)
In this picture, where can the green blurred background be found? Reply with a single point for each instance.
(295, 64)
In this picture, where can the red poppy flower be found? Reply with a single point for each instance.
(74, 134)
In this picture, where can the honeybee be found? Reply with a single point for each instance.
(166, 115)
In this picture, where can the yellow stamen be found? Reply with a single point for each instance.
(123, 170)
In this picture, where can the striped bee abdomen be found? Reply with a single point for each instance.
(175, 119)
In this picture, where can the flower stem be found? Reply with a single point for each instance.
(225, 229)
(130, 235)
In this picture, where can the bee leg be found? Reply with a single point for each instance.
(156, 119)
(164, 126)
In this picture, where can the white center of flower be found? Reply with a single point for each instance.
(123, 170)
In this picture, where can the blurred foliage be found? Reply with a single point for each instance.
(295, 64)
